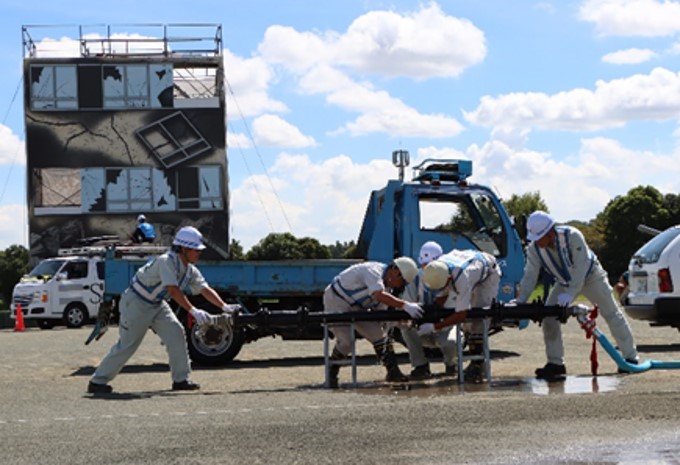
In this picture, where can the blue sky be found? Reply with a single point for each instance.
(578, 100)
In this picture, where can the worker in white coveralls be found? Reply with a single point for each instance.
(473, 276)
(143, 305)
(362, 287)
(563, 253)
(445, 339)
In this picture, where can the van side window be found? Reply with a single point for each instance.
(76, 270)
(100, 270)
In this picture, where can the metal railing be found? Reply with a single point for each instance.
(122, 40)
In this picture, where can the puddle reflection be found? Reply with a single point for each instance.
(449, 386)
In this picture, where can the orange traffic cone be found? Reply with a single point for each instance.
(19, 323)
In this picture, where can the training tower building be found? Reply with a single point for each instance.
(121, 121)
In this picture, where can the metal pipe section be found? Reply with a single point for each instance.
(302, 317)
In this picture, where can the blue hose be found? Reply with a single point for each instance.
(631, 367)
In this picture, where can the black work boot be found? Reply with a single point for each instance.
(551, 371)
(475, 372)
(420, 372)
(386, 355)
(334, 368)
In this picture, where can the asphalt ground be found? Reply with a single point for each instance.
(270, 407)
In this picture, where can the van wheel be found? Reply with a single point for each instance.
(75, 315)
(45, 324)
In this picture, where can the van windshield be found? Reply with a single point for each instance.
(46, 269)
(651, 251)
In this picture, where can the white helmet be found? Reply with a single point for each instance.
(189, 237)
(538, 225)
(141, 218)
(428, 252)
(436, 274)
(407, 268)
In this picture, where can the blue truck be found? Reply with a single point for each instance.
(438, 204)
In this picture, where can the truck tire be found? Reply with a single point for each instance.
(211, 346)
(75, 315)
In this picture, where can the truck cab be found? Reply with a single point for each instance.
(440, 205)
(61, 290)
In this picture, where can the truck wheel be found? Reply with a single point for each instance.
(45, 324)
(213, 346)
(75, 315)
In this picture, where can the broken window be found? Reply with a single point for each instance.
(54, 87)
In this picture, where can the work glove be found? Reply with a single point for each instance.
(413, 310)
(201, 316)
(425, 329)
(230, 308)
(564, 299)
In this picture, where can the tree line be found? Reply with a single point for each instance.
(612, 234)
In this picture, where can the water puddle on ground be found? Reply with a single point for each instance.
(449, 386)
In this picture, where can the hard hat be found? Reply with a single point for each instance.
(436, 274)
(538, 225)
(407, 268)
(428, 252)
(189, 237)
(141, 218)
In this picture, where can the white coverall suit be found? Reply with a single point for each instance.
(475, 277)
(352, 291)
(143, 306)
(445, 339)
(576, 270)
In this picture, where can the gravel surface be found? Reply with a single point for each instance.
(269, 407)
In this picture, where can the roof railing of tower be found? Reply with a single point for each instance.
(122, 40)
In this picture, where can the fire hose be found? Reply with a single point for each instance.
(589, 326)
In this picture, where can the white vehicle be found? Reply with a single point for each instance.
(69, 288)
(58, 290)
(654, 280)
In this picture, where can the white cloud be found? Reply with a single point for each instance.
(273, 131)
(643, 18)
(12, 149)
(379, 111)
(327, 199)
(13, 225)
(247, 87)
(631, 56)
(578, 188)
(654, 96)
(422, 44)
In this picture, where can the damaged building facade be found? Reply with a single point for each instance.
(122, 123)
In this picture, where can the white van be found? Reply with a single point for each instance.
(654, 280)
(65, 290)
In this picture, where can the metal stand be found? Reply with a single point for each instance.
(327, 358)
(486, 353)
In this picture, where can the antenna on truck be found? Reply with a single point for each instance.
(400, 159)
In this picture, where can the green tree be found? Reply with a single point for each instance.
(592, 231)
(285, 246)
(619, 220)
(235, 250)
(13, 265)
(519, 207)
(342, 249)
(525, 204)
